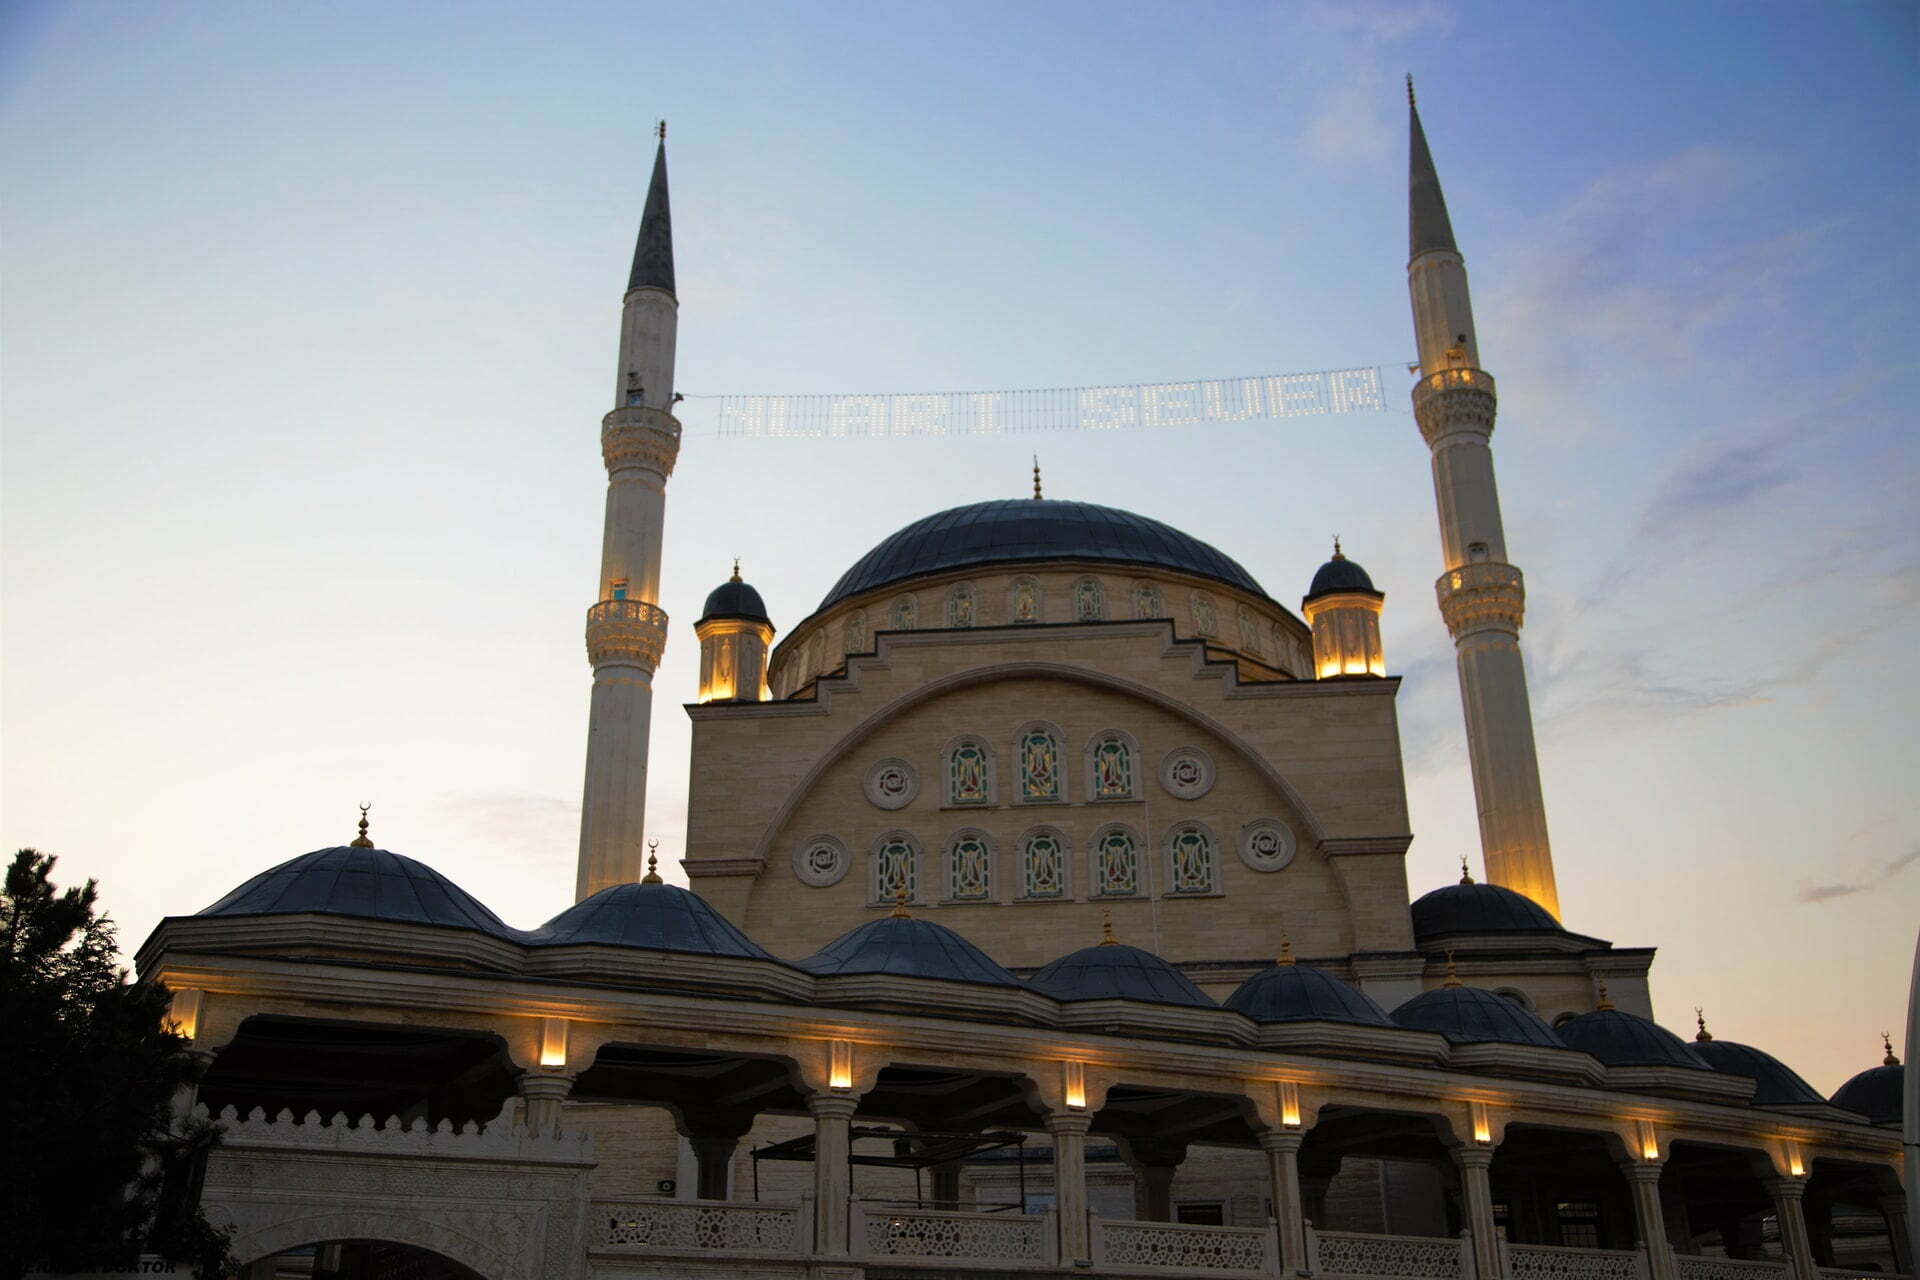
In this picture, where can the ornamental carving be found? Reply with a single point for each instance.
(821, 861)
(1184, 1247)
(1187, 773)
(1454, 401)
(1266, 844)
(1345, 1254)
(1549, 1262)
(640, 437)
(973, 1236)
(626, 631)
(1483, 596)
(699, 1226)
(892, 784)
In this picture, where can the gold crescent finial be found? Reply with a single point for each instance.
(1410, 101)
(1890, 1060)
(900, 911)
(1036, 478)
(653, 864)
(1466, 876)
(361, 841)
(1700, 1020)
(1453, 978)
(736, 570)
(1605, 1003)
(1106, 928)
(1337, 553)
(1286, 948)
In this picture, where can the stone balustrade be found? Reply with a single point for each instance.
(1186, 1248)
(1693, 1266)
(1557, 1262)
(721, 1227)
(1006, 1241)
(1351, 1254)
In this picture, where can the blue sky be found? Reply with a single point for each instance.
(309, 318)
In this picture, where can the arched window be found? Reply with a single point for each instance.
(1205, 621)
(969, 772)
(896, 869)
(1110, 767)
(1086, 601)
(1023, 600)
(1116, 863)
(853, 632)
(1147, 602)
(960, 605)
(1043, 864)
(969, 867)
(904, 612)
(1190, 859)
(1249, 630)
(816, 653)
(1038, 750)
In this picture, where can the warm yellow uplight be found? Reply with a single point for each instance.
(1649, 1141)
(1795, 1165)
(840, 1064)
(553, 1042)
(1289, 1104)
(1482, 1124)
(183, 1018)
(1076, 1079)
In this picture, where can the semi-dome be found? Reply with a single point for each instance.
(1775, 1084)
(1027, 529)
(1875, 1093)
(734, 599)
(1620, 1039)
(1479, 908)
(352, 880)
(913, 948)
(1115, 971)
(1293, 992)
(657, 917)
(1474, 1015)
(1339, 574)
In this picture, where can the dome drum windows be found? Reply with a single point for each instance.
(853, 632)
(1147, 602)
(904, 613)
(969, 773)
(1023, 600)
(1206, 620)
(895, 866)
(969, 866)
(1112, 764)
(1043, 865)
(1087, 605)
(1114, 862)
(1192, 867)
(1036, 753)
(960, 605)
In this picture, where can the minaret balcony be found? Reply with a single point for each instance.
(626, 632)
(638, 436)
(1485, 596)
(1453, 402)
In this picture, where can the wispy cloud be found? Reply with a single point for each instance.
(1356, 118)
(1873, 879)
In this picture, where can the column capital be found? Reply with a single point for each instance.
(1787, 1187)
(1281, 1139)
(1642, 1170)
(1068, 1123)
(546, 1085)
(1473, 1157)
(830, 1106)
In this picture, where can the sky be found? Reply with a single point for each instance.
(308, 318)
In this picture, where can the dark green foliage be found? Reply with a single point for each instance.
(92, 1176)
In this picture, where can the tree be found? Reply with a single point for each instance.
(95, 1172)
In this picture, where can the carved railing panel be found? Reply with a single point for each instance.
(1858, 1273)
(699, 1226)
(1224, 1251)
(1696, 1267)
(1554, 1262)
(1002, 1238)
(1347, 1253)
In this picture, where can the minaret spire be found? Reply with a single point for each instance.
(627, 628)
(1482, 594)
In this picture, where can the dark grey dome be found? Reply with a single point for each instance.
(1339, 574)
(1303, 993)
(1115, 971)
(356, 881)
(1018, 529)
(1875, 1094)
(1775, 1084)
(1474, 1015)
(912, 948)
(1479, 908)
(658, 917)
(1623, 1040)
(734, 599)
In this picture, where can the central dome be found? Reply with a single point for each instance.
(1024, 529)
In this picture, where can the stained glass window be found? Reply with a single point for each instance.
(1043, 866)
(1112, 769)
(1249, 630)
(1146, 601)
(1204, 621)
(968, 867)
(1192, 855)
(1039, 765)
(903, 614)
(967, 774)
(895, 870)
(1116, 864)
(1023, 600)
(853, 632)
(1086, 600)
(960, 606)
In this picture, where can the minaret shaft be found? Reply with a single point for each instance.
(1482, 594)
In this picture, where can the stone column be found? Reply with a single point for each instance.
(1644, 1179)
(1894, 1206)
(1283, 1166)
(1069, 1130)
(1789, 1197)
(1478, 1194)
(543, 1095)
(1154, 1163)
(832, 1189)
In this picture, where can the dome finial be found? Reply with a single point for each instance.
(1337, 553)
(1700, 1020)
(1466, 876)
(361, 841)
(1605, 1003)
(1410, 101)
(1453, 978)
(1106, 928)
(653, 864)
(1891, 1060)
(900, 911)
(1286, 949)
(660, 129)
(1036, 478)
(736, 570)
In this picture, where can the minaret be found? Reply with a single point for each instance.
(627, 629)
(1481, 594)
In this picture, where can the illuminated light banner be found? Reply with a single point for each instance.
(992, 413)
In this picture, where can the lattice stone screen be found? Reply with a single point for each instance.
(699, 1226)
(1341, 1253)
(1548, 1262)
(1226, 1251)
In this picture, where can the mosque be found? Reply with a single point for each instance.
(1048, 913)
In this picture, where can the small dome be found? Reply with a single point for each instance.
(1115, 971)
(1623, 1040)
(1479, 908)
(657, 917)
(369, 883)
(1775, 1083)
(1474, 1015)
(911, 948)
(1339, 574)
(1875, 1093)
(1304, 993)
(734, 599)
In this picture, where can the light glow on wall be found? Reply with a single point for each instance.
(840, 1065)
(1649, 1141)
(1482, 1124)
(553, 1042)
(183, 1018)
(1795, 1165)
(1289, 1104)
(1076, 1078)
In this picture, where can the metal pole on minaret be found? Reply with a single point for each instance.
(626, 627)
(1482, 595)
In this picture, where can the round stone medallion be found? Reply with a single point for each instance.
(1187, 773)
(1266, 844)
(892, 784)
(821, 861)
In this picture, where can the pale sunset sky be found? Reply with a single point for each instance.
(308, 318)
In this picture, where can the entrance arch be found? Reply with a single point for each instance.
(462, 1256)
(358, 1260)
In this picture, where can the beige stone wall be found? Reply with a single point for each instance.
(1321, 758)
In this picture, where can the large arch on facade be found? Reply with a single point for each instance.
(254, 1242)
